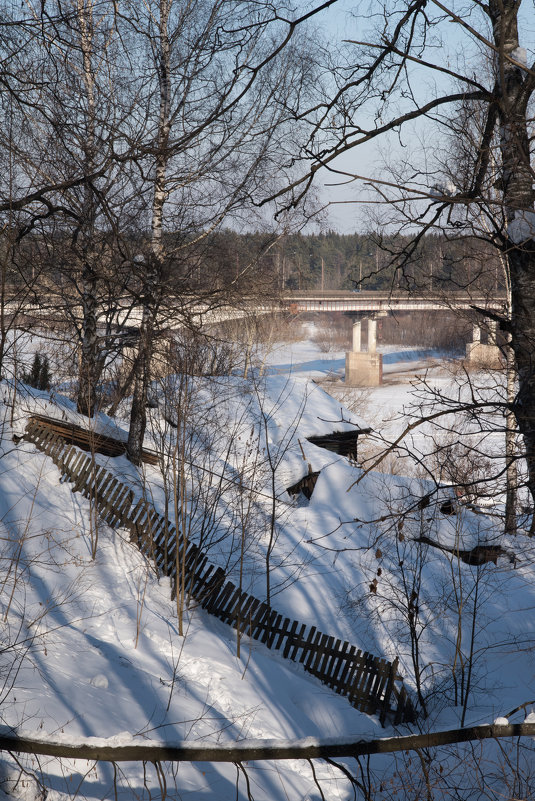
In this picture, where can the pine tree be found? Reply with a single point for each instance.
(39, 375)
(32, 378)
(44, 374)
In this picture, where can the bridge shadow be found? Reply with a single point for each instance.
(323, 365)
(404, 355)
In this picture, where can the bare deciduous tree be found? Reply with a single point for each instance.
(220, 78)
(396, 76)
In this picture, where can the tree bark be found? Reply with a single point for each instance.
(510, 446)
(153, 280)
(514, 87)
(319, 748)
(91, 365)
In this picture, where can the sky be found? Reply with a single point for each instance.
(457, 49)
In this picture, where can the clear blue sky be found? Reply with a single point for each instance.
(340, 22)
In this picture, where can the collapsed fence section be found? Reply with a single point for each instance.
(371, 685)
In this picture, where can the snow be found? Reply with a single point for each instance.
(522, 227)
(93, 651)
(520, 54)
(441, 190)
(99, 681)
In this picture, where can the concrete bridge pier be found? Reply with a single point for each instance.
(493, 332)
(479, 354)
(357, 336)
(372, 335)
(364, 368)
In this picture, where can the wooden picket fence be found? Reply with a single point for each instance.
(371, 685)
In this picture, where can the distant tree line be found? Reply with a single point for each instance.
(368, 261)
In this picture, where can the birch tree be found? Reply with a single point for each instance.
(73, 114)
(220, 78)
(91, 118)
(21, 81)
(91, 359)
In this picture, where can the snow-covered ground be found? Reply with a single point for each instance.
(91, 647)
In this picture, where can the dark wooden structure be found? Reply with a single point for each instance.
(371, 685)
(88, 440)
(305, 485)
(343, 443)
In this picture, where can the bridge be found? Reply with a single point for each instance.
(365, 367)
(374, 302)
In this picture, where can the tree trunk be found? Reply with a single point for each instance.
(515, 87)
(510, 447)
(91, 362)
(138, 414)
(153, 280)
(522, 267)
(91, 358)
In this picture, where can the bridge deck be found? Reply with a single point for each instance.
(395, 301)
